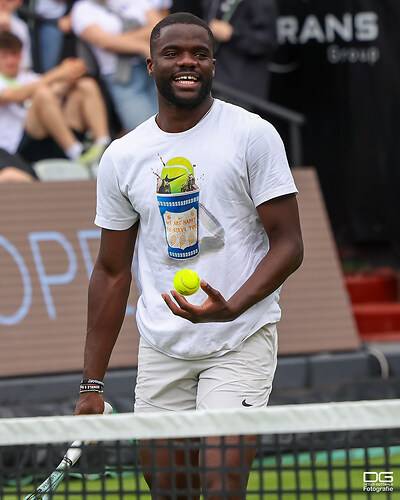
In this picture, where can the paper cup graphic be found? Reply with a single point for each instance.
(180, 215)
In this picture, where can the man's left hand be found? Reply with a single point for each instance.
(215, 307)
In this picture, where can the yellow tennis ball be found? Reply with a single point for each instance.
(176, 172)
(186, 282)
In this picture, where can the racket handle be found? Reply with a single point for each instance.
(46, 490)
(73, 453)
(107, 408)
(75, 450)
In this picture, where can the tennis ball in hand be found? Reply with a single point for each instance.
(186, 282)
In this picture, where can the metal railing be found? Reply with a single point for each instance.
(294, 119)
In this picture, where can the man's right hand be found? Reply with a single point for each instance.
(73, 68)
(89, 403)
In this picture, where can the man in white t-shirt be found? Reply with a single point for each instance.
(119, 30)
(237, 226)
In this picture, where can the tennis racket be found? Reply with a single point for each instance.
(46, 490)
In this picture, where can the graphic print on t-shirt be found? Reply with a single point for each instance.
(180, 209)
(178, 201)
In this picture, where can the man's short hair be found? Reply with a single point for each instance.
(8, 41)
(179, 18)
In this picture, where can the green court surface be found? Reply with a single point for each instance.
(323, 476)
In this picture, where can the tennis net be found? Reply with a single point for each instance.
(313, 451)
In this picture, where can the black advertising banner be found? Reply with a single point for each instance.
(338, 62)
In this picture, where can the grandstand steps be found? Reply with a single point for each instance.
(376, 306)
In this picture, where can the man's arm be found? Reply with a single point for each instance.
(70, 70)
(129, 42)
(108, 295)
(280, 218)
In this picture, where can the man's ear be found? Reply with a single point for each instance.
(149, 62)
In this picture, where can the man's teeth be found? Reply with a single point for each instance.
(186, 80)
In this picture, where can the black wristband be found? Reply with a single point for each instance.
(92, 381)
(91, 385)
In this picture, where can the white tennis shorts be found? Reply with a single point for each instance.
(240, 378)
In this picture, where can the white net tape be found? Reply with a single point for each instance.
(359, 415)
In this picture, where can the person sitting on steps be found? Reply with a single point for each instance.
(47, 116)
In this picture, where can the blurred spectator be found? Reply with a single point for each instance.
(50, 35)
(9, 21)
(15, 169)
(46, 116)
(187, 6)
(163, 6)
(245, 31)
(118, 33)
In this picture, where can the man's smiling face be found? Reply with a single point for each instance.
(182, 64)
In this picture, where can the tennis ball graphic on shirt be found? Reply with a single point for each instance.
(176, 172)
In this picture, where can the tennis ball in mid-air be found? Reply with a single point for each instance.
(186, 282)
(175, 173)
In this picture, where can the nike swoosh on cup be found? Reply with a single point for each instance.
(245, 404)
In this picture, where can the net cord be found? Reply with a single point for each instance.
(321, 417)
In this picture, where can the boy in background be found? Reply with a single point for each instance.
(46, 116)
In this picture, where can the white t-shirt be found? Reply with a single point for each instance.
(161, 4)
(51, 9)
(86, 13)
(12, 116)
(20, 29)
(131, 10)
(239, 162)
